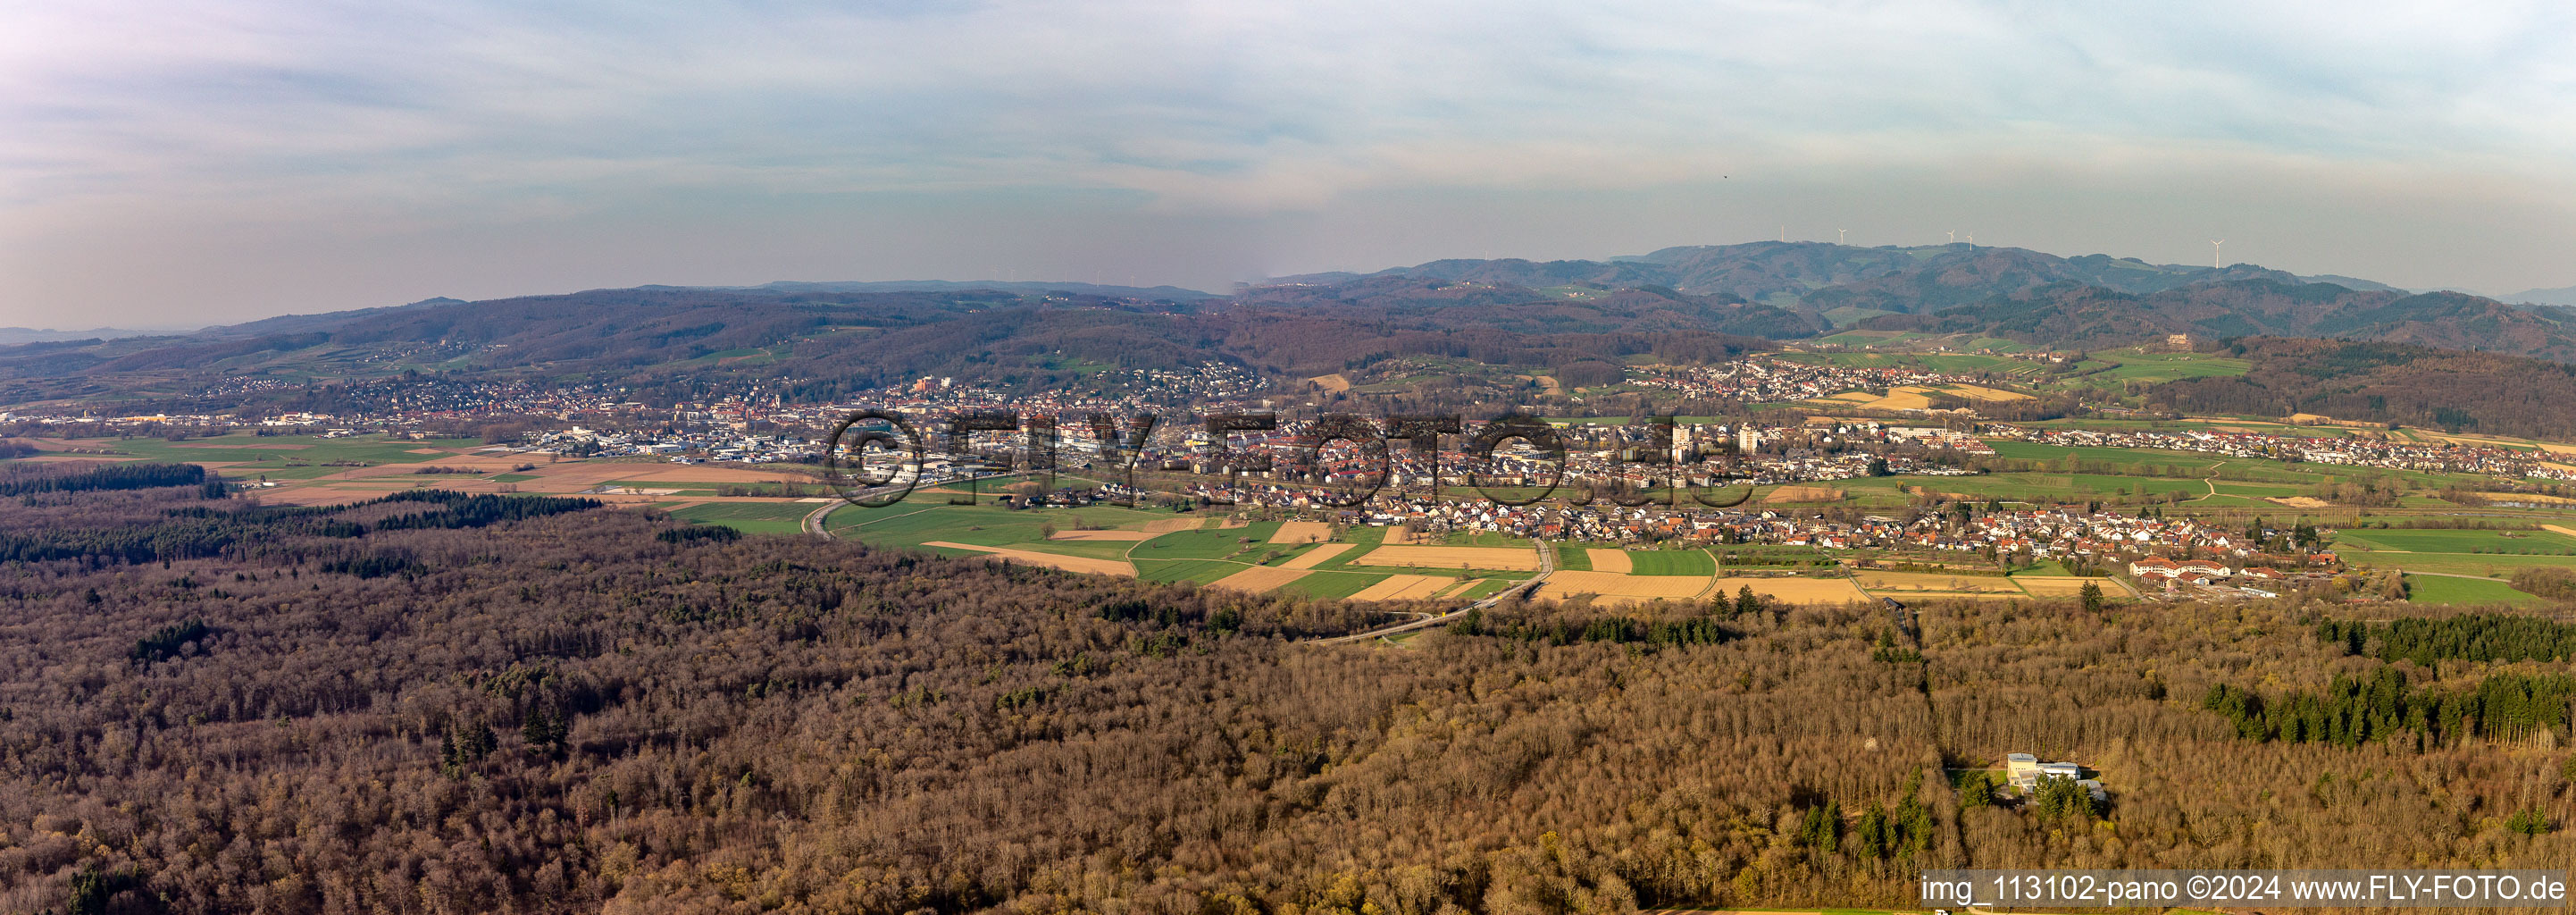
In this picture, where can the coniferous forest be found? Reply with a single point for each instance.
(438, 703)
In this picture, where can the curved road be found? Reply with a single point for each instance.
(814, 519)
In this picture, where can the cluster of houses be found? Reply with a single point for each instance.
(1770, 379)
(2251, 580)
(2443, 457)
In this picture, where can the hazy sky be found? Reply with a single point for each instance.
(186, 163)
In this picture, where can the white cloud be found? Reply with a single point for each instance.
(444, 117)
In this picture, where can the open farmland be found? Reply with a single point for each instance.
(1452, 557)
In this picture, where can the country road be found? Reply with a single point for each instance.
(1546, 564)
(814, 519)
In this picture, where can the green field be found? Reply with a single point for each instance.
(2440, 589)
(1484, 589)
(2502, 543)
(749, 517)
(1331, 585)
(283, 457)
(2158, 367)
(1209, 544)
(2479, 564)
(1671, 562)
(910, 524)
(1198, 570)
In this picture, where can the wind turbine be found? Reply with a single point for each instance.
(1972, 240)
(1784, 233)
(1954, 236)
(1838, 235)
(2213, 253)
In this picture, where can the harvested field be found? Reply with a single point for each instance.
(1803, 494)
(2559, 529)
(1050, 560)
(1611, 561)
(1973, 392)
(1124, 536)
(1795, 590)
(1295, 532)
(1613, 588)
(2299, 501)
(1259, 579)
(1333, 383)
(1901, 582)
(2531, 497)
(1168, 525)
(2055, 586)
(1316, 556)
(1453, 557)
(1905, 398)
(1400, 535)
(1232, 523)
(1399, 587)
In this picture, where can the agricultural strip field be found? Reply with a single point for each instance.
(1118, 536)
(1671, 562)
(1794, 590)
(1314, 557)
(1452, 557)
(1331, 585)
(1259, 579)
(1900, 583)
(1296, 532)
(2061, 586)
(1400, 587)
(1613, 588)
(1049, 560)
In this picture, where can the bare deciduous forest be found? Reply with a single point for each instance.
(438, 706)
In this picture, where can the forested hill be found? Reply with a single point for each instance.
(1826, 276)
(814, 341)
(2389, 382)
(2073, 315)
(819, 344)
(498, 704)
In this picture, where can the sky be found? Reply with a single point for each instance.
(182, 164)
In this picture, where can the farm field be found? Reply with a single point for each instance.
(2521, 542)
(1671, 562)
(1614, 588)
(2132, 365)
(1900, 583)
(1522, 559)
(2443, 589)
(748, 517)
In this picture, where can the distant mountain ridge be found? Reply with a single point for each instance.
(1680, 304)
(2563, 297)
(2074, 315)
(2012, 293)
